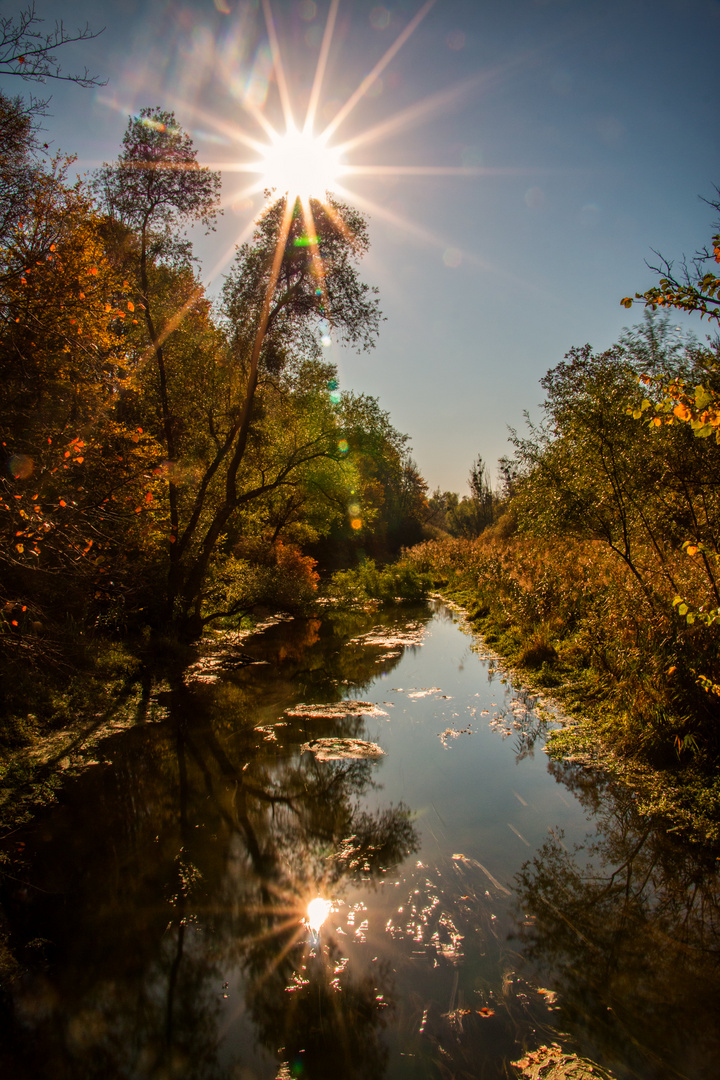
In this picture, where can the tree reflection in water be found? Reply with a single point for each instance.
(171, 915)
(627, 928)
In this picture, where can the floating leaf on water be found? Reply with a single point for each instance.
(342, 749)
(338, 710)
(411, 635)
(268, 733)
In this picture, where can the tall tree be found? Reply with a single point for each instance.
(154, 190)
(284, 288)
(296, 278)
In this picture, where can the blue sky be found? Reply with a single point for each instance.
(591, 126)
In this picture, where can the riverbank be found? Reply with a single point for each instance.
(563, 627)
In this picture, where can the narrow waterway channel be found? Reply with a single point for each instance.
(482, 901)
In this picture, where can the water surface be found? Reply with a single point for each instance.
(485, 901)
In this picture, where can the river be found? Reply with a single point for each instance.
(477, 904)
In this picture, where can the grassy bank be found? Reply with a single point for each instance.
(567, 615)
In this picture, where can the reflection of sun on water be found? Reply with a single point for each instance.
(317, 912)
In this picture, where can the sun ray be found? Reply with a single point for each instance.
(272, 282)
(320, 68)
(278, 65)
(369, 79)
(424, 170)
(222, 261)
(437, 241)
(317, 263)
(420, 112)
(377, 210)
(276, 930)
(276, 961)
(336, 219)
(233, 132)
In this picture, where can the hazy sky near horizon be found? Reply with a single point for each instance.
(556, 143)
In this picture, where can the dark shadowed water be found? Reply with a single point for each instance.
(485, 901)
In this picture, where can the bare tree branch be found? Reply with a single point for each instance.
(29, 52)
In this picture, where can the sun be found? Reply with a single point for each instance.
(300, 165)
